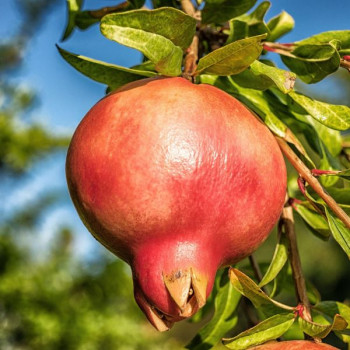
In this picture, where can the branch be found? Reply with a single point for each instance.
(306, 174)
(287, 219)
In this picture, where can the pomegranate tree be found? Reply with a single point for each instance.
(179, 171)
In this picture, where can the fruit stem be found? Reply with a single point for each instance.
(306, 174)
(287, 219)
(191, 57)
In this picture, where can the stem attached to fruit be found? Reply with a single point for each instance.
(306, 174)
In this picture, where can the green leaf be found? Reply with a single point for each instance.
(269, 329)
(280, 257)
(340, 233)
(232, 58)
(280, 25)
(340, 195)
(109, 74)
(238, 30)
(247, 287)
(333, 116)
(73, 7)
(253, 24)
(312, 63)
(219, 11)
(321, 331)
(84, 19)
(261, 76)
(167, 22)
(259, 103)
(159, 34)
(331, 308)
(343, 36)
(331, 138)
(315, 221)
(224, 318)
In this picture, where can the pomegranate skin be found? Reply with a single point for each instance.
(294, 345)
(176, 179)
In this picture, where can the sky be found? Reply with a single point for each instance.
(66, 95)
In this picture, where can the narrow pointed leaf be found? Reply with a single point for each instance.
(312, 63)
(255, 20)
(280, 25)
(341, 196)
(314, 220)
(333, 116)
(232, 58)
(247, 287)
(320, 330)
(262, 76)
(109, 74)
(269, 329)
(73, 7)
(219, 11)
(238, 30)
(257, 101)
(340, 233)
(224, 318)
(159, 34)
(343, 36)
(168, 22)
(330, 308)
(279, 259)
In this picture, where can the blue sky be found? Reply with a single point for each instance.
(66, 95)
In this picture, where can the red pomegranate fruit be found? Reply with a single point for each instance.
(294, 345)
(176, 179)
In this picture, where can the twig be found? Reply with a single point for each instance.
(306, 174)
(287, 219)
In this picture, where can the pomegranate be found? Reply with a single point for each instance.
(294, 345)
(176, 179)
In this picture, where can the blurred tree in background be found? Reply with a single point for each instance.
(52, 299)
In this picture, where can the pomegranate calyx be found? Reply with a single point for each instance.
(188, 289)
(157, 319)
